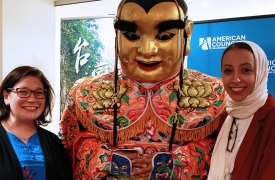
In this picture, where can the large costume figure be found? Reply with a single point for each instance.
(162, 113)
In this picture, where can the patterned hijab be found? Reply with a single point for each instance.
(243, 110)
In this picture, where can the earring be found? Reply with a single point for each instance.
(7, 103)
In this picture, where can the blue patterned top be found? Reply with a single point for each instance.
(30, 157)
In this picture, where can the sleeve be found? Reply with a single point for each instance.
(69, 128)
(267, 164)
(64, 168)
(57, 162)
(194, 159)
(90, 157)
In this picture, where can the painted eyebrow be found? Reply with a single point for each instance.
(163, 26)
(125, 26)
(170, 24)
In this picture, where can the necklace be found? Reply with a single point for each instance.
(25, 140)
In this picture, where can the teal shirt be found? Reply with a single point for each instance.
(30, 157)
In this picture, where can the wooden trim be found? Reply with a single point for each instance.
(68, 2)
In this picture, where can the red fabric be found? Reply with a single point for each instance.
(90, 149)
(255, 159)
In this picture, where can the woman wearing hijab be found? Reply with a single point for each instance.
(246, 142)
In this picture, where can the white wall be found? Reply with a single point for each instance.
(103, 8)
(28, 38)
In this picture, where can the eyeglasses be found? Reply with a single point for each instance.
(232, 136)
(24, 92)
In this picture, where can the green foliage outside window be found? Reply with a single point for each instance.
(71, 32)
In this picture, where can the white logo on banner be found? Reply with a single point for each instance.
(271, 66)
(219, 42)
(205, 43)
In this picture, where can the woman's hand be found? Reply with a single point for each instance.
(142, 166)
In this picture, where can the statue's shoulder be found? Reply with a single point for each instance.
(82, 81)
(89, 84)
(191, 73)
(86, 81)
(194, 75)
(79, 83)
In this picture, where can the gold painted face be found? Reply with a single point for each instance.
(148, 55)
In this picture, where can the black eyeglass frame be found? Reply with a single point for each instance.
(229, 135)
(31, 91)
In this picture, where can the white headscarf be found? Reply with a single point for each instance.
(243, 110)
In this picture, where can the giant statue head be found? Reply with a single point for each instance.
(152, 38)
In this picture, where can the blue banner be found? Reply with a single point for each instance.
(210, 38)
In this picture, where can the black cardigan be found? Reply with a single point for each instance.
(58, 166)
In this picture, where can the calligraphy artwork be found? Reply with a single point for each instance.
(87, 49)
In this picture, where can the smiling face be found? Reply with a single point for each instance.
(25, 109)
(238, 73)
(148, 53)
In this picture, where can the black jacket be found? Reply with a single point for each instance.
(58, 166)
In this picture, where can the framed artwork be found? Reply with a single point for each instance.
(87, 48)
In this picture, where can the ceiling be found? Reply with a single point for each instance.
(220, 9)
(199, 10)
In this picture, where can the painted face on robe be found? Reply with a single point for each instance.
(150, 38)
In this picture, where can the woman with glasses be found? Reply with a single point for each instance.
(246, 142)
(28, 151)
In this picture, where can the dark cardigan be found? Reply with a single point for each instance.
(58, 166)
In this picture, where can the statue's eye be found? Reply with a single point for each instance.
(131, 36)
(165, 36)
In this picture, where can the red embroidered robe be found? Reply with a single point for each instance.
(144, 124)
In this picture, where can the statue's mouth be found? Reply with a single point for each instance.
(147, 66)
